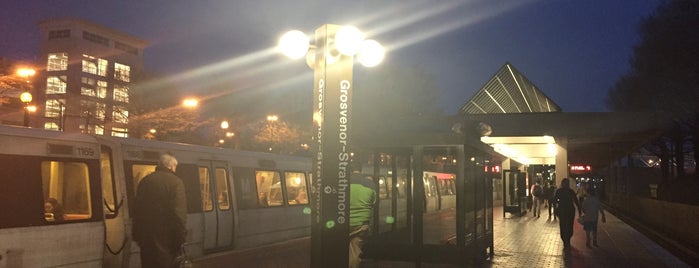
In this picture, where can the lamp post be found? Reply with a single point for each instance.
(26, 96)
(332, 59)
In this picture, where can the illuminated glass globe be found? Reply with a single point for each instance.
(372, 53)
(293, 44)
(348, 40)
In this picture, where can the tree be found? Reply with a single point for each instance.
(277, 136)
(664, 75)
(10, 83)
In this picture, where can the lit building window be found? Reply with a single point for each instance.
(94, 65)
(57, 62)
(120, 132)
(88, 81)
(101, 89)
(56, 84)
(100, 110)
(86, 91)
(121, 93)
(120, 115)
(99, 130)
(122, 72)
(51, 126)
(89, 67)
(53, 108)
(102, 67)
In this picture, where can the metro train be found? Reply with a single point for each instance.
(235, 199)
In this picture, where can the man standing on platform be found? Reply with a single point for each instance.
(362, 201)
(160, 218)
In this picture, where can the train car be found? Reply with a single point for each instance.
(440, 194)
(236, 199)
(440, 191)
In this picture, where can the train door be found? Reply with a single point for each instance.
(115, 243)
(216, 204)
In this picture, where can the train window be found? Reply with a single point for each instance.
(66, 188)
(446, 187)
(430, 186)
(222, 189)
(206, 198)
(245, 188)
(139, 171)
(296, 190)
(268, 188)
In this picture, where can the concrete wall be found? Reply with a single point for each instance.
(678, 221)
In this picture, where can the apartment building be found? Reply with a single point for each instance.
(89, 72)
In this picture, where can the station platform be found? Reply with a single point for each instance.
(524, 241)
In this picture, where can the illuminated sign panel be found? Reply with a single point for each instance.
(580, 168)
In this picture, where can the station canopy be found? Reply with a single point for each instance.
(517, 120)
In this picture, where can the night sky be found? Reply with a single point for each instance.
(572, 50)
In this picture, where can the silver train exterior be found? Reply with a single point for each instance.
(236, 199)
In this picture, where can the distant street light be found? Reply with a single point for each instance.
(224, 124)
(190, 103)
(332, 60)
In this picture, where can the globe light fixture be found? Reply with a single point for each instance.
(294, 44)
(348, 40)
(372, 53)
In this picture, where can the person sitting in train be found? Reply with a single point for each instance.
(262, 199)
(53, 210)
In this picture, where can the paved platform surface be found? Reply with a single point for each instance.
(529, 241)
(518, 242)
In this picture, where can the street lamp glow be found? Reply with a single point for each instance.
(372, 53)
(224, 124)
(26, 97)
(272, 118)
(26, 72)
(31, 108)
(348, 40)
(294, 44)
(190, 103)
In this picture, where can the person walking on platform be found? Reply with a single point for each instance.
(549, 191)
(160, 219)
(537, 193)
(566, 204)
(362, 201)
(591, 208)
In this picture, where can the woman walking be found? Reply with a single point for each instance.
(592, 208)
(566, 204)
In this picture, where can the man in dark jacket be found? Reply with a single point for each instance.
(160, 218)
